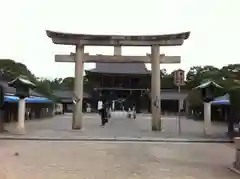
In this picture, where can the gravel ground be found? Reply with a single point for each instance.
(111, 160)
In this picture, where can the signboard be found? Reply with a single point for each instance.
(179, 77)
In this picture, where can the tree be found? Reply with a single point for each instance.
(68, 83)
(56, 83)
(10, 70)
(44, 87)
(197, 74)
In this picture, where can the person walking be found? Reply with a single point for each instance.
(101, 112)
(134, 112)
(106, 112)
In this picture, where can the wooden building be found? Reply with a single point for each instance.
(66, 98)
(128, 84)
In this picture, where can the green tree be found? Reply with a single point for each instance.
(56, 83)
(197, 74)
(11, 69)
(68, 83)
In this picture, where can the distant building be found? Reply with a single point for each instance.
(129, 84)
(66, 97)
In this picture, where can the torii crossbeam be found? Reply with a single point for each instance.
(116, 59)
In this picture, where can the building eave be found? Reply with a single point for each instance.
(117, 73)
(111, 40)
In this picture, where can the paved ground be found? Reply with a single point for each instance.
(118, 127)
(102, 160)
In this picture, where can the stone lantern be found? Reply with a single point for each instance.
(23, 86)
(207, 92)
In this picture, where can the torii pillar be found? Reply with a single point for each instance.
(117, 50)
(78, 88)
(155, 88)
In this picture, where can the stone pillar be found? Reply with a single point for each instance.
(207, 118)
(155, 88)
(236, 163)
(117, 50)
(78, 88)
(21, 116)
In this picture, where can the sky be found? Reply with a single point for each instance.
(213, 25)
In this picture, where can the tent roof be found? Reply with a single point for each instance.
(221, 100)
(14, 99)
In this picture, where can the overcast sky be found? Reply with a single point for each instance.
(214, 26)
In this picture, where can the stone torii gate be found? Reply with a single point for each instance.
(154, 41)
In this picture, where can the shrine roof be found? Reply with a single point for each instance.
(120, 68)
(62, 93)
(11, 90)
(127, 40)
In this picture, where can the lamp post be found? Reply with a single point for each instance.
(207, 92)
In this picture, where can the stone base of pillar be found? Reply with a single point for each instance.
(236, 164)
(77, 128)
(156, 128)
(207, 133)
(19, 131)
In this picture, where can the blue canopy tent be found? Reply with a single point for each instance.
(15, 99)
(221, 100)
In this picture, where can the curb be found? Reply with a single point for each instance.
(234, 170)
(176, 140)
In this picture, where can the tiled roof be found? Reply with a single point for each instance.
(67, 94)
(120, 68)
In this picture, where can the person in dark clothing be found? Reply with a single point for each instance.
(101, 112)
(105, 108)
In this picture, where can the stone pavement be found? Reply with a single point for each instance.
(115, 160)
(118, 128)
